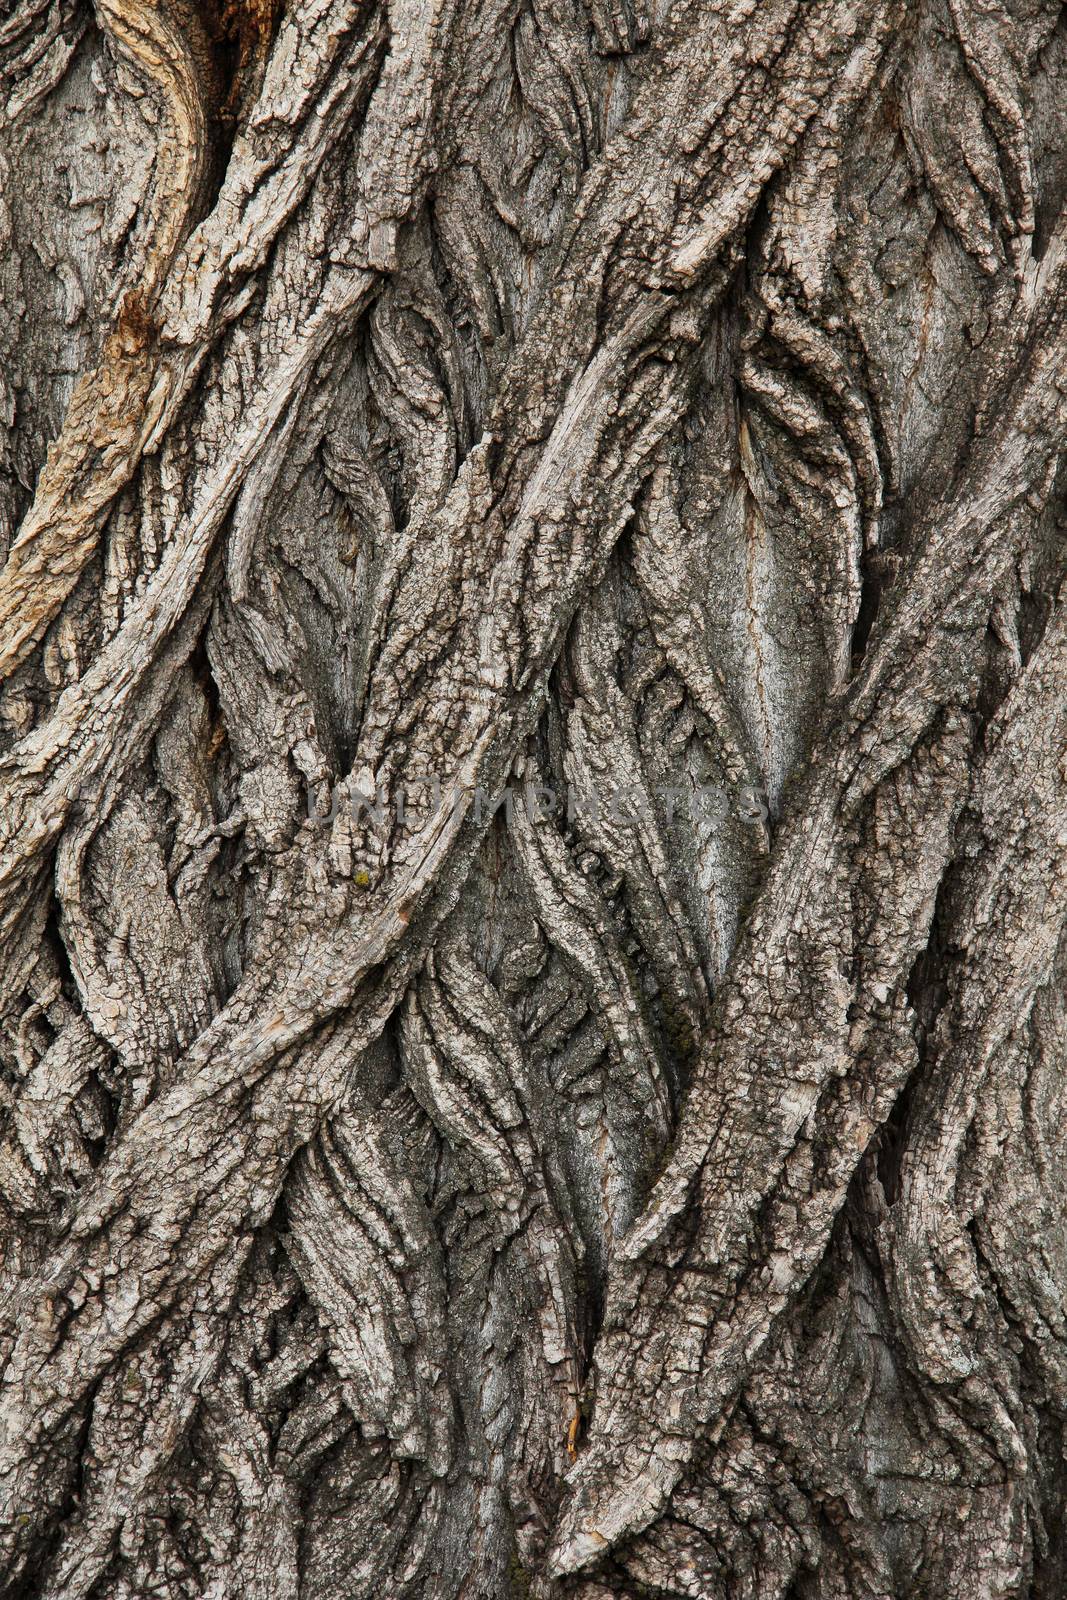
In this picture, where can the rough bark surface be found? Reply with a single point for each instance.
(405, 401)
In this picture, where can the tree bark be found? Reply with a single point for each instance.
(533, 855)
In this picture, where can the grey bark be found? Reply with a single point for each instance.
(407, 403)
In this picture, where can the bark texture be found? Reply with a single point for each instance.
(614, 400)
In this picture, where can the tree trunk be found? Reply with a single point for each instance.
(533, 860)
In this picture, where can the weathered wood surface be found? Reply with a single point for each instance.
(653, 410)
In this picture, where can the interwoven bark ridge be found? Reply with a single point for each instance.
(409, 403)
